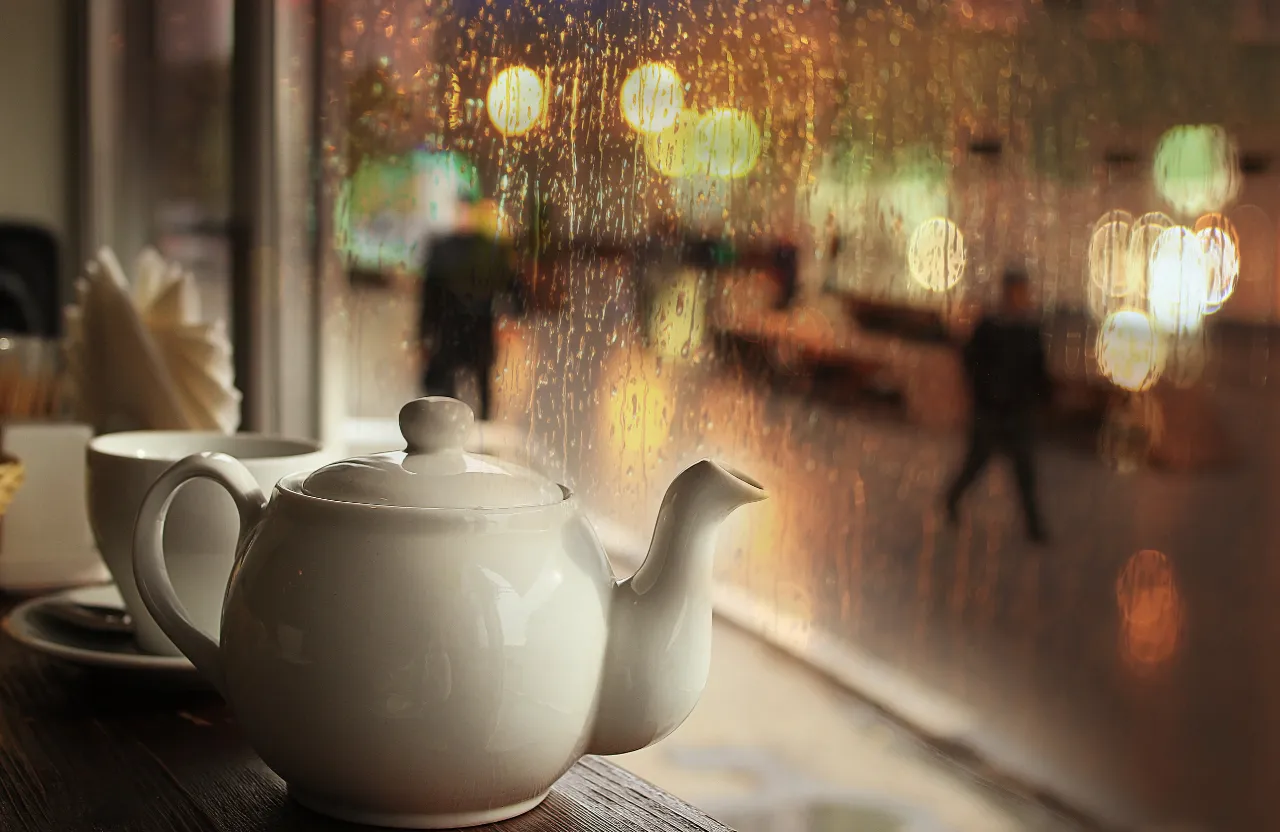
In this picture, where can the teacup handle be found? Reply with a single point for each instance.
(148, 551)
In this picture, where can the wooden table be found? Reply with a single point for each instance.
(84, 750)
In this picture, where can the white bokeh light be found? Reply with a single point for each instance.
(515, 100)
(936, 254)
(1130, 351)
(1222, 260)
(652, 97)
(1178, 292)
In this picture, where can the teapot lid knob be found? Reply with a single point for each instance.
(435, 423)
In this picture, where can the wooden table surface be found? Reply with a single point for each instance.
(88, 751)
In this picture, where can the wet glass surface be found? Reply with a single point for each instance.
(762, 232)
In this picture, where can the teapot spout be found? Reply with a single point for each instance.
(660, 621)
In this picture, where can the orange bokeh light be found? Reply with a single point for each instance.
(1150, 609)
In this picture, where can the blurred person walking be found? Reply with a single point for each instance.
(470, 275)
(1005, 366)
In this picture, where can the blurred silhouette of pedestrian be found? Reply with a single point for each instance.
(835, 246)
(786, 265)
(1004, 361)
(470, 273)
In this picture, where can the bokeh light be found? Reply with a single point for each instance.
(1130, 351)
(1114, 215)
(1196, 168)
(1143, 233)
(652, 97)
(390, 205)
(936, 254)
(1221, 222)
(1222, 260)
(672, 151)
(728, 143)
(515, 100)
(1109, 257)
(1101, 303)
(1150, 608)
(1178, 292)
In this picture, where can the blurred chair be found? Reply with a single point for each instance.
(29, 281)
(18, 312)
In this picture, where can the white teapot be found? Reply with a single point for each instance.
(431, 638)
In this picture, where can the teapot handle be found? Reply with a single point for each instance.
(148, 551)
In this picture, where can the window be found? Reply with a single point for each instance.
(756, 231)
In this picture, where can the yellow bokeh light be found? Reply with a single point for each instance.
(1109, 257)
(1102, 304)
(936, 254)
(652, 98)
(671, 151)
(515, 101)
(1130, 352)
(1178, 292)
(727, 144)
(1143, 233)
(1115, 215)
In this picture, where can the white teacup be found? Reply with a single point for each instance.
(202, 524)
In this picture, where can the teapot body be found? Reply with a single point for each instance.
(415, 667)
(430, 638)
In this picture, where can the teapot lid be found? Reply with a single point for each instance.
(433, 471)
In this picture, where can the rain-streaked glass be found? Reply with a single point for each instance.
(894, 159)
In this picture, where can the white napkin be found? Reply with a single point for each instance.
(143, 359)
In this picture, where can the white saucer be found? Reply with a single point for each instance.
(29, 625)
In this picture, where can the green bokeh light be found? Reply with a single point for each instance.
(1196, 168)
(390, 205)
